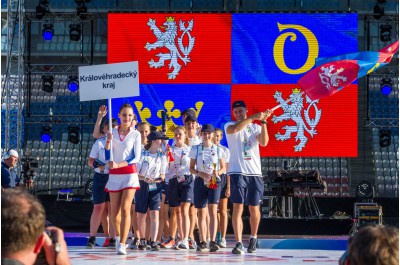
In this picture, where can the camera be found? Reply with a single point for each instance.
(41, 258)
(29, 164)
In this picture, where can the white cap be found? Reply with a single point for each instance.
(12, 152)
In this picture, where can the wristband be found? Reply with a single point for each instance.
(263, 122)
(97, 164)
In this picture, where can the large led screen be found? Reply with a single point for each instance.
(207, 61)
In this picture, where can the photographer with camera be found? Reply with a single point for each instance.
(23, 232)
(9, 178)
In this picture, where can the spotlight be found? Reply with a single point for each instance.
(46, 134)
(365, 191)
(379, 11)
(73, 134)
(386, 86)
(42, 9)
(47, 31)
(81, 10)
(385, 136)
(73, 83)
(75, 32)
(386, 33)
(47, 83)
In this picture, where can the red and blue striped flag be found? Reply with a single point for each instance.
(335, 73)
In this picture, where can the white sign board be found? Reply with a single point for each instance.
(105, 81)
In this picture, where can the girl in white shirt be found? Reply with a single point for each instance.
(144, 130)
(152, 168)
(180, 190)
(123, 179)
(225, 190)
(207, 163)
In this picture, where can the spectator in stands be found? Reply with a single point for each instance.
(9, 178)
(23, 231)
(247, 185)
(373, 245)
(98, 162)
(123, 178)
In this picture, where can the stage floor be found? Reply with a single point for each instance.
(82, 256)
(319, 250)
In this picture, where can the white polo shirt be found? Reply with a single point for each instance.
(152, 165)
(97, 152)
(244, 150)
(206, 157)
(226, 155)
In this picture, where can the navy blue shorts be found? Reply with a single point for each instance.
(223, 186)
(99, 183)
(204, 195)
(145, 199)
(180, 192)
(246, 190)
(164, 190)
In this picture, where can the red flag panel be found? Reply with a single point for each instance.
(328, 79)
(334, 120)
(207, 44)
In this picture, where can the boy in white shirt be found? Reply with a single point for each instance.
(247, 185)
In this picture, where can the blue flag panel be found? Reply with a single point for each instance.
(279, 49)
(210, 102)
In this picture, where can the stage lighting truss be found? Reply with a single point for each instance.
(47, 83)
(75, 32)
(385, 33)
(46, 134)
(48, 31)
(73, 83)
(73, 134)
(386, 86)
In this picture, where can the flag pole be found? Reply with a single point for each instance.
(110, 127)
(285, 102)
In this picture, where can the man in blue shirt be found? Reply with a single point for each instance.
(9, 178)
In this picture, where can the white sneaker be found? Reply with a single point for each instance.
(117, 241)
(176, 246)
(222, 244)
(184, 244)
(121, 249)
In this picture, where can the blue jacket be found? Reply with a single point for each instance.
(8, 179)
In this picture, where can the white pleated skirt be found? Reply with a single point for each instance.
(122, 182)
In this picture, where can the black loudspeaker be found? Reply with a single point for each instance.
(385, 136)
(73, 134)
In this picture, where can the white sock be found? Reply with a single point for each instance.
(253, 237)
